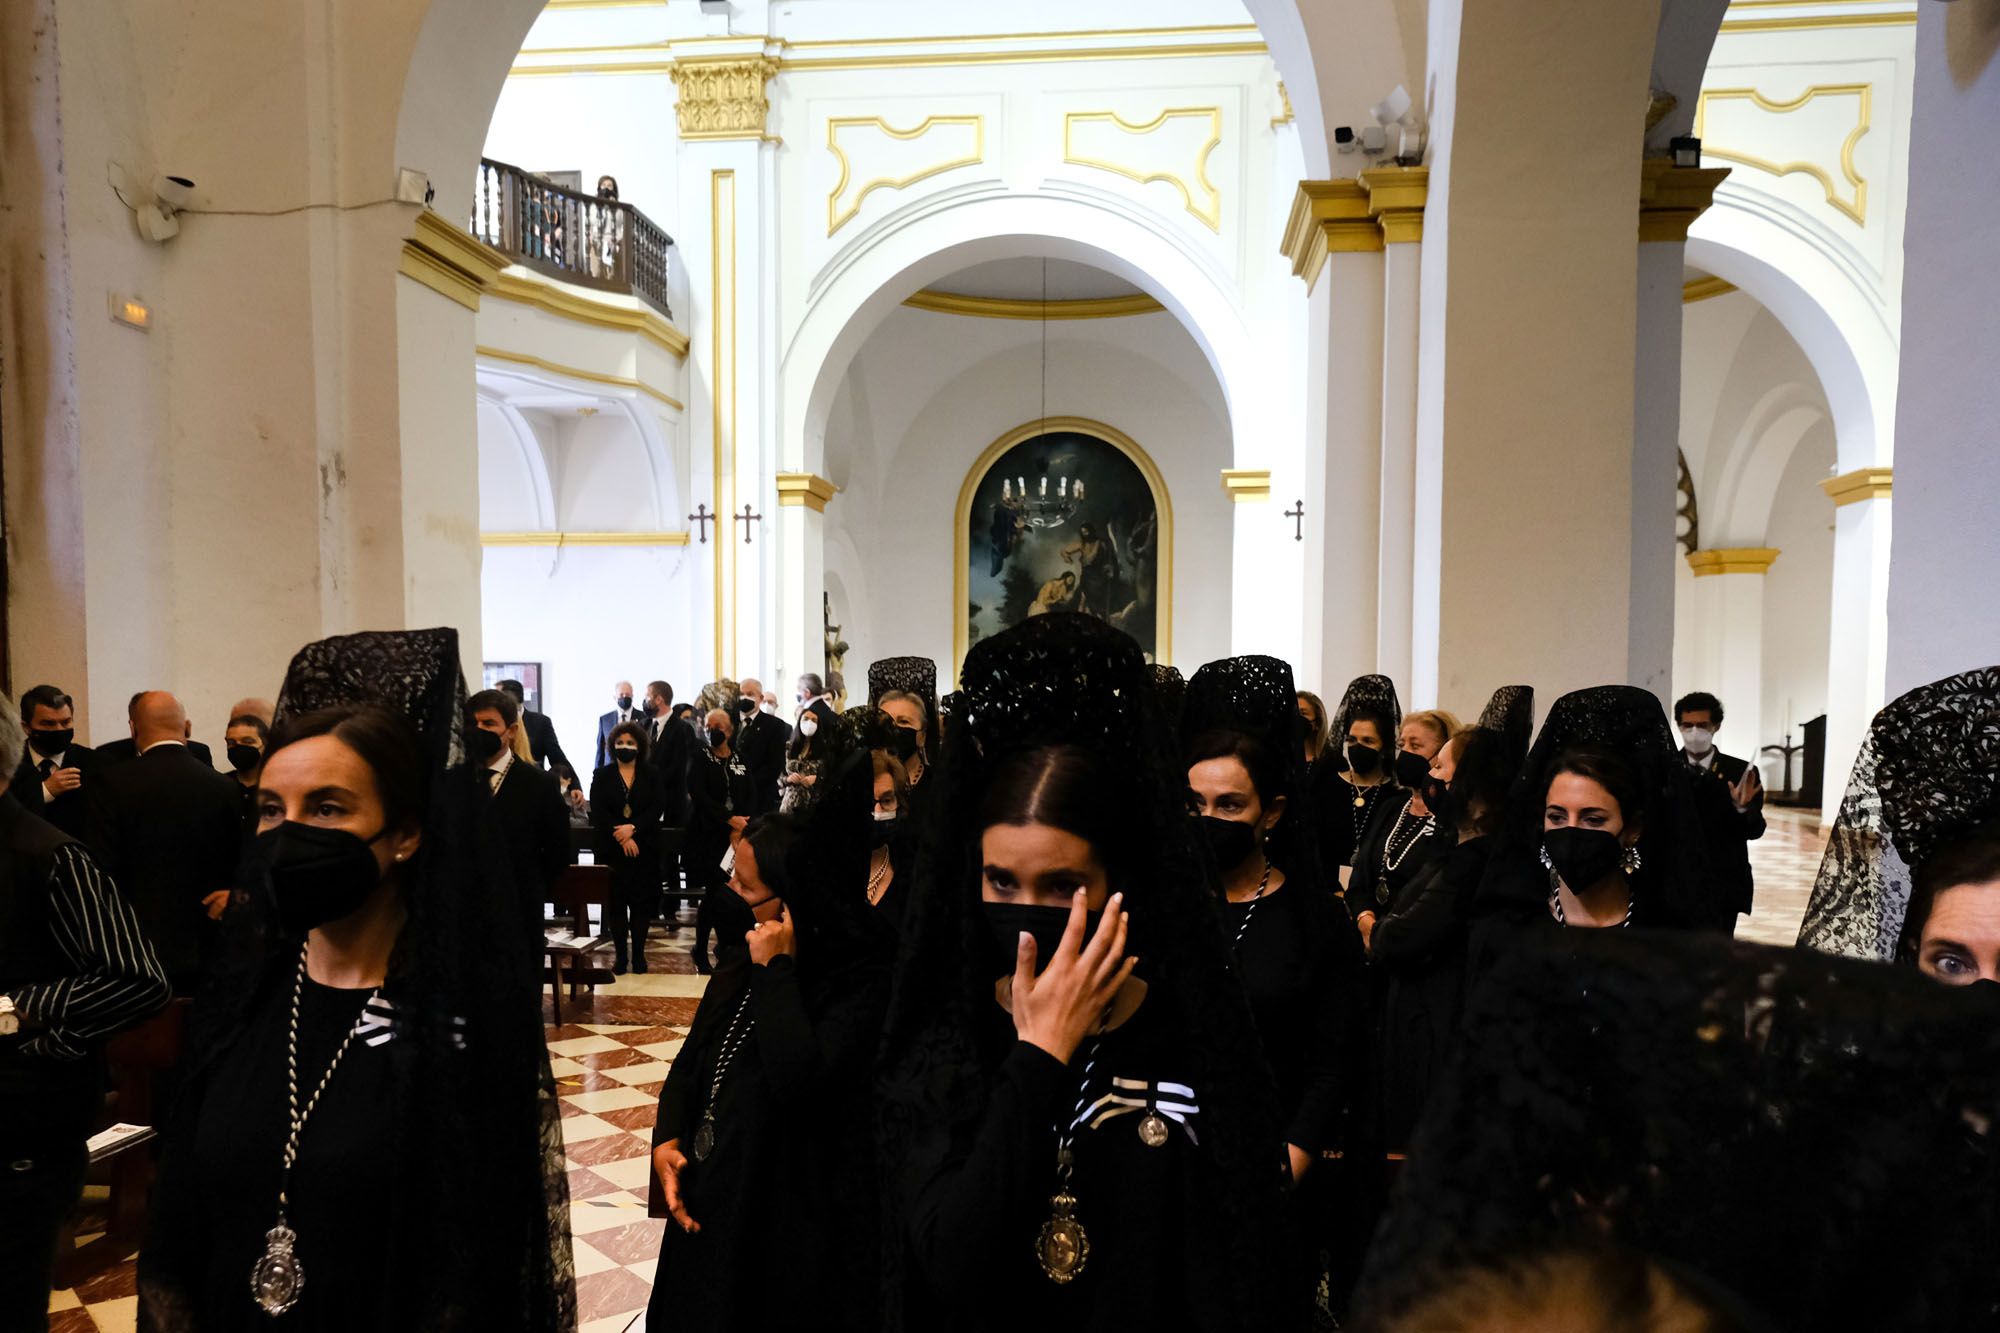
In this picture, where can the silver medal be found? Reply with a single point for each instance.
(277, 1278)
(1153, 1129)
(704, 1140)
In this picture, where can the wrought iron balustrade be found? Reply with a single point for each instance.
(571, 236)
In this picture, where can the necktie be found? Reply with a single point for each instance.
(494, 779)
(48, 767)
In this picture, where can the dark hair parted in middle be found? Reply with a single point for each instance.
(1065, 787)
(1609, 770)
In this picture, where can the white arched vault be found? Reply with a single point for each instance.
(907, 252)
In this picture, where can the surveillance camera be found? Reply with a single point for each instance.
(158, 224)
(173, 191)
(1344, 140)
(1391, 109)
(1374, 140)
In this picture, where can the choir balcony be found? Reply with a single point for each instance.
(570, 236)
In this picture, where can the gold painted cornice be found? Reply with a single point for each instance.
(1328, 217)
(449, 260)
(1001, 307)
(541, 538)
(1732, 560)
(1671, 197)
(723, 97)
(1247, 485)
(1868, 483)
(1396, 198)
(580, 309)
(796, 489)
(1701, 289)
(1808, 21)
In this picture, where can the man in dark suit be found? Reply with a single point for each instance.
(168, 829)
(761, 739)
(624, 712)
(1699, 717)
(533, 818)
(54, 771)
(813, 698)
(125, 749)
(541, 732)
(668, 743)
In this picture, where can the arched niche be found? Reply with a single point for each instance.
(1016, 541)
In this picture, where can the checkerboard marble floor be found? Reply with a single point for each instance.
(611, 1054)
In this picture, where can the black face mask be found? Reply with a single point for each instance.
(1362, 761)
(1412, 770)
(882, 832)
(625, 754)
(1006, 922)
(482, 746)
(625, 702)
(746, 705)
(317, 874)
(48, 744)
(717, 738)
(1230, 840)
(1437, 795)
(903, 742)
(243, 758)
(1583, 856)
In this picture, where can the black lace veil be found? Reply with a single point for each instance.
(1366, 694)
(1928, 773)
(1065, 678)
(1510, 714)
(1170, 688)
(914, 675)
(1815, 1134)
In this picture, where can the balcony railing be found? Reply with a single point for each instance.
(571, 236)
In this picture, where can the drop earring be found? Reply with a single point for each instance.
(1630, 861)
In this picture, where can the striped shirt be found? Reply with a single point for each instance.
(115, 979)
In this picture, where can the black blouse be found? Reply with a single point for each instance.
(978, 1193)
(1394, 847)
(1343, 824)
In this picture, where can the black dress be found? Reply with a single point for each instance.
(635, 880)
(1419, 949)
(1305, 974)
(1341, 823)
(343, 1188)
(978, 1193)
(786, 1238)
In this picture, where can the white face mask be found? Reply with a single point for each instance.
(770, 707)
(808, 725)
(885, 816)
(1697, 739)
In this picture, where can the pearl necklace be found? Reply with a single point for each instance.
(875, 878)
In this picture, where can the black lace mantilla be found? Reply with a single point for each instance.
(1928, 772)
(413, 673)
(1815, 1134)
(1367, 694)
(1510, 714)
(913, 675)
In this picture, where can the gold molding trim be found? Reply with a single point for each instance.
(721, 188)
(1098, 34)
(1211, 215)
(1327, 217)
(905, 60)
(1868, 483)
(1247, 485)
(575, 372)
(542, 538)
(1285, 114)
(1163, 505)
(722, 97)
(1701, 289)
(1004, 307)
(1044, 56)
(1857, 209)
(1809, 21)
(1396, 198)
(1732, 560)
(449, 260)
(1671, 197)
(804, 489)
(565, 304)
(836, 218)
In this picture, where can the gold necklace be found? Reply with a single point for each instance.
(875, 877)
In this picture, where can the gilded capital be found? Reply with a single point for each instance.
(1328, 217)
(722, 97)
(1396, 198)
(1671, 197)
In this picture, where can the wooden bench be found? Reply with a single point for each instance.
(579, 889)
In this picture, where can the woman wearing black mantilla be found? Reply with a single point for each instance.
(1080, 1130)
(1357, 771)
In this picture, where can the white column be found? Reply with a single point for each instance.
(1396, 197)
(801, 575)
(1336, 248)
(1857, 655)
(1726, 615)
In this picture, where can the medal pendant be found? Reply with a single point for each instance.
(1360, 801)
(1382, 894)
(704, 1140)
(1153, 1129)
(277, 1278)
(1062, 1247)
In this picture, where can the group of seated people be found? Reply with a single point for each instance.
(1087, 1027)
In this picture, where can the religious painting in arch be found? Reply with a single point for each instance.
(1065, 515)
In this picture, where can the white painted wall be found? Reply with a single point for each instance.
(1798, 595)
(924, 398)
